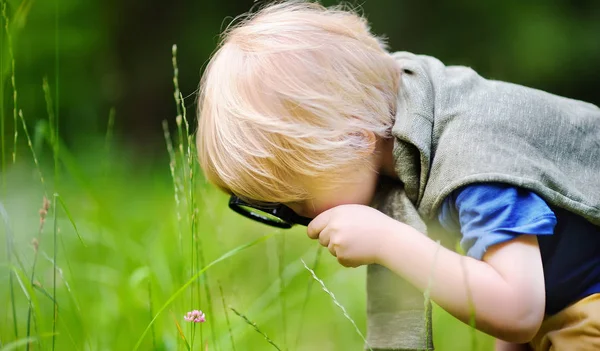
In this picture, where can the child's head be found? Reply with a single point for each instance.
(293, 103)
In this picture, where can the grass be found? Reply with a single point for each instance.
(128, 220)
(337, 303)
(135, 244)
(253, 325)
(12, 79)
(9, 235)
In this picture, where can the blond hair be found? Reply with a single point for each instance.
(287, 98)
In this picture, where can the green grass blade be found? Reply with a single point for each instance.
(55, 247)
(337, 303)
(70, 335)
(182, 334)
(49, 108)
(227, 317)
(9, 254)
(179, 119)
(35, 159)
(11, 58)
(15, 345)
(176, 93)
(267, 303)
(108, 140)
(27, 289)
(64, 281)
(280, 266)
(72, 298)
(53, 124)
(223, 257)
(2, 121)
(193, 213)
(151, 313)
(253, 325)
(315, 264)
(36, 243)
(44, 292)
(70, 217)
(57, 90)
(172, 167)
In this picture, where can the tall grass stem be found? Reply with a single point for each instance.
(54, 258)
(337, 303)
(35, 159)
(64, 207)
(227, 317)
(172, 298)
(280, 267)
(253, 325)
(188, 346)
(151, 314)
(9, 255)
(172, 165)
(11, 58)
(108, 140)
(53, 125)
(187, 181)
(2, 116)
(315, 264)
(36, 242)
(56, 145)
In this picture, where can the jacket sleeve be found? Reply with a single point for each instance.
(398, 316)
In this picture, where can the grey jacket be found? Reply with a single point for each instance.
(455, 128)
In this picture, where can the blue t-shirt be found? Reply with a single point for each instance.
(491, 213)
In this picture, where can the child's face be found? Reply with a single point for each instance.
(360, 188)
(359, 191)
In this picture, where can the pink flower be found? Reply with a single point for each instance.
(195, 316)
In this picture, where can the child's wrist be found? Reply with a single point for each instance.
(390, 242)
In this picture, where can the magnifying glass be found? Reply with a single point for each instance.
(275, 215)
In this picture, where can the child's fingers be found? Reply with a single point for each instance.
(324, 238)
(316, 226)
(331, 249)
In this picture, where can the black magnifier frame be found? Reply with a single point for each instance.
(288, 218)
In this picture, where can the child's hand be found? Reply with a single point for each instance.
(354, 234)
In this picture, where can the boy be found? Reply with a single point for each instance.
(302, 108)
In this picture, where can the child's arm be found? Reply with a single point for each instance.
(506, 289)
(509, 346)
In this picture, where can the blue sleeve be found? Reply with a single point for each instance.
(487, 214)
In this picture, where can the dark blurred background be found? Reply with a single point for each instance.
(117, 53)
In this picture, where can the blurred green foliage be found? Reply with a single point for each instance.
(133, 261)
(117, 53)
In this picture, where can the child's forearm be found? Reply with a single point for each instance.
(464, 286)
(509, 346)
